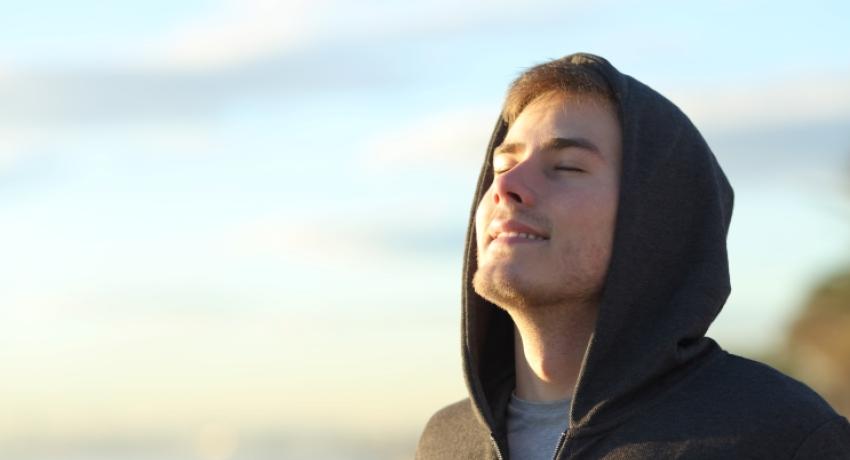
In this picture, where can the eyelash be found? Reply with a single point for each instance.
(568, 168)
(557, 168)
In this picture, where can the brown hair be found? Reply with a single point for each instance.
(559, 76)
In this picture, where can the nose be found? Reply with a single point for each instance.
(512, 187)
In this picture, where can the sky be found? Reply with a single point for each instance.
(224, 222)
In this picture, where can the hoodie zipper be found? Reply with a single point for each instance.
(558, 447)
(496, 446)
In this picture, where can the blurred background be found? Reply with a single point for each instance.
(233, 229)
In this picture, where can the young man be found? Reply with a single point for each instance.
(595, 262)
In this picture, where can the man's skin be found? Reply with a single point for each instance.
(565, 193)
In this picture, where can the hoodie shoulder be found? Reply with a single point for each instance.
(765, 410)
(829, 441)
(732, 407)
(454, 432)
(774, 391)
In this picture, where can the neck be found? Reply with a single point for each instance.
(549, 346)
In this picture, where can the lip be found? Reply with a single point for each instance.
(513, 231)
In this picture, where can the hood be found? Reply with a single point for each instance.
(667, 279)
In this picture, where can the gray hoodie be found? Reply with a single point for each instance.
(651, 385)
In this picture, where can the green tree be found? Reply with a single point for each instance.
(819, 341)
(818, 346)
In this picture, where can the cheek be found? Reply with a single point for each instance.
(602, 215)
(608, 206)
(591, 215)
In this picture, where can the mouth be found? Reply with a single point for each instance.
(514, 232)
(520, 235)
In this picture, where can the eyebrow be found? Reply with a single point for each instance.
(555, 143)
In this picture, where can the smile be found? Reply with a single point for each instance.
(513, 231)
(512, 235)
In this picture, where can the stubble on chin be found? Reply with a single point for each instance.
(495, 289)
(511, 291)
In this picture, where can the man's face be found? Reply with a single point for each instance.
(545, 227)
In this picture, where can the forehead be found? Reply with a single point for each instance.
(559, 113)
(566, 116)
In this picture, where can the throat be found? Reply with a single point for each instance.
(548, 357)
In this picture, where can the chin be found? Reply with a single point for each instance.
(506, 288)
(513, 288)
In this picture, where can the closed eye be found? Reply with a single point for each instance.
(568, 168)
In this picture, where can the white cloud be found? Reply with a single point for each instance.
(451, 141)
(342, 241)
(20, 143)
(238, 31)
(800, 99)
(12, 149)
(301, 239)
(243, 30)
(349, 239)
